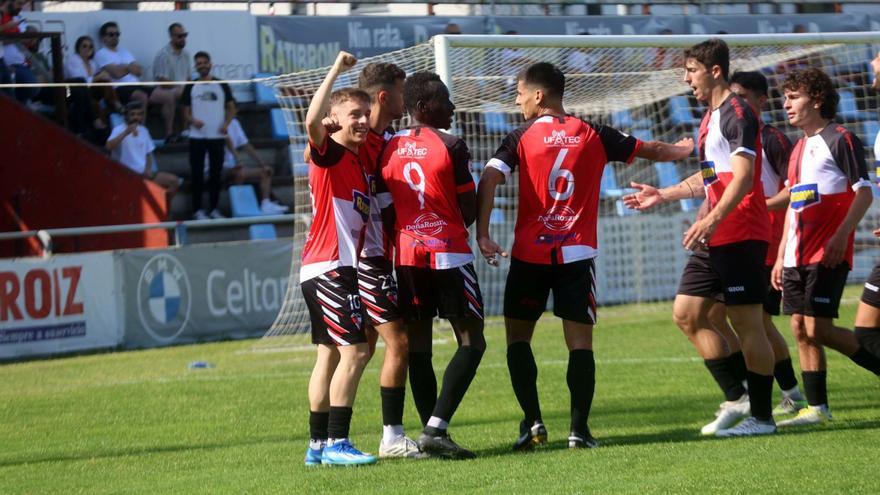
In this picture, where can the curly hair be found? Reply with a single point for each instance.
(818, 86)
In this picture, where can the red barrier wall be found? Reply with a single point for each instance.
(51, 179)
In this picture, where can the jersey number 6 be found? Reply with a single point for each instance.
(557, 173)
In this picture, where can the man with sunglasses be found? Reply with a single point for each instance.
(172, 63)
(120, 64)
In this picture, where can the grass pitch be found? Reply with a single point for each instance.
(141, 422)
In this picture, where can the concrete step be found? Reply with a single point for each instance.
(174, 158)
(181, 204)
(254, 118)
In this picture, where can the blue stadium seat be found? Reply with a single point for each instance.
(644, 135)
(497, 123)
(263, 94)
(608, 187)
(848, 109)
(623, 120)
(870, 128)
(279, 125)
(680, 111)
(667, 175)
(243, 200)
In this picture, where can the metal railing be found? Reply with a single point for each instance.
(180, 228)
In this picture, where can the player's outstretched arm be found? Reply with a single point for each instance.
(664, 152)
(647, 197)
(320, 104)
(743, 166)
(485, 202)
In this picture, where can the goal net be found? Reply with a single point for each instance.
(633, 83)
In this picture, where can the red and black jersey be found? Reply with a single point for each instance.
(423, 170)
(340, 209)
(823, 175)
(732, 129)
(376, 242)
(775, 153)
(560, 161)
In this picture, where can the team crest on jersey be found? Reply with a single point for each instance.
(361, 204)
(804, 196)
(357, 318)
(558, 218)
(427, 224)
(707, 169)
(558, 138)
(410, 150)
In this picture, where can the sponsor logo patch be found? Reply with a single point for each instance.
(558, 218)
(410, 150)
(804, 196)
(707, 170)
(427, 224)
(361, 204)
(558, 138)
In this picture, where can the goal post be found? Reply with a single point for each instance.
(633, 83)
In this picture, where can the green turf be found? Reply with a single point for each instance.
(141, 422)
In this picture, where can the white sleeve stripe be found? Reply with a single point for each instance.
(384, 200)
(743, 149)
(499, 166)
(860, 184)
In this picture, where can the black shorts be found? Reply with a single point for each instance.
(378, 290)
(124, 93)
(871, 293)
(529, 284)
(774, 297)
(813, 290)
(740, 268)
(452, 293)
(699, 280)
(335, 307)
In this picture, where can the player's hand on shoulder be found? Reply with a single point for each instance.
(345, 61)
(645, 197)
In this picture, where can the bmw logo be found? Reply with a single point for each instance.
(164, 298)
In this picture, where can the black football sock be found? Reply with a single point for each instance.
(866, 360)
(338, 422)
(458, 376)
(816, 387)
(722, 371)
(524, 378)
(423, 383)
(760, 395)
(392, 405)
(318, 425)
(738, 362)
(784, 374)
(581, 377)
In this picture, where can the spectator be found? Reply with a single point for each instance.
(39, 65)
(4, 70)
(11, 22)
(799, 29)
(172, 63)
(234, 172)
(86, 115)
(131, 145)
(452, 28)
(120, 64)
(207, 108)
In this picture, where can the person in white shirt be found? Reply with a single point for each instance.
(131, 145)
(236, 173)
(208, 108)
(85, 112)
(120, 64)
(13, 53)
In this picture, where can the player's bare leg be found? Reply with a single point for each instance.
(524, 379)
(581, 378)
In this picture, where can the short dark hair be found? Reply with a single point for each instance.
(377, 76)
(106, 26)
(421, 86)
(132, 105)
(818, 86)
(344, 94)
(174, 25)
(202, 55)
(753, 81)
(709, 53)
(546, 76)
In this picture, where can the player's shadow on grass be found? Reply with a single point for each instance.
(137, 451)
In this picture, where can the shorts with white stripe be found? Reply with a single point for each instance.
(335, 307)
(451, 293)
(529, 285)
(378, 289)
